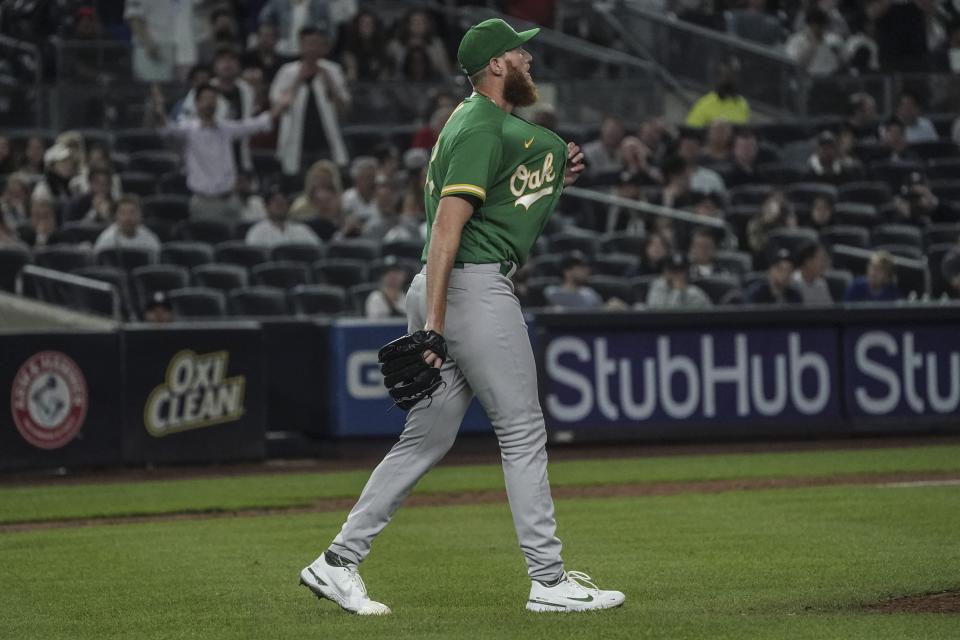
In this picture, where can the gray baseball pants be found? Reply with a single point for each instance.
(490, 356)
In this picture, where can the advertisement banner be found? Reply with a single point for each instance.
(361, 404)
(58, 400)
(194, 394)
(902, 371)
(644, 378)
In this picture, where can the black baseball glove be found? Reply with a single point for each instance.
(405, 373)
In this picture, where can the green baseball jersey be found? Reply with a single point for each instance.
(513, 167)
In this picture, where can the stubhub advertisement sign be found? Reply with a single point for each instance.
(903, 371)
(626, 378)
(361, 405)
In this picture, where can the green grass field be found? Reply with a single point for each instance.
(785, 563)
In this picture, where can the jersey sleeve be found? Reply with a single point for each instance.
(472, 165)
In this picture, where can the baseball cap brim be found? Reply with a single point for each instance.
(487, 40)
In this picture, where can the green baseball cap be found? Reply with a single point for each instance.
(487, 40)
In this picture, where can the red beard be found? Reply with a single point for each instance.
(517, 89)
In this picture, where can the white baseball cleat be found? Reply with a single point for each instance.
(342, 585)
(575, 592)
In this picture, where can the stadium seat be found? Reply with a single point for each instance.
(640, 286)
(111, 275)
(720, 288)
(64, 257)
(158, 277)
(780, 173)
(78, 233)
(837, 281)
(165, 230)
(197, 302)
(305, 253)
(612, 287)
(127, 258)
(749, 194)
(579, 240)
(265, 163)
(154, 162)
(781, 133)
(284, 275)
(354, 249)
(175, 184)
(223, 277)
(623, 242)
(935, 255)
(408, 249)
(258, 301)
(791, 239)
(943, 169)
(856, 213)
(946, 189)
(845, 234)
(340, 272)
(540, 247)
(133, 140)
(894, 173)
(240, 253)
(912, 278)
(317, 299)
(902, 250)
(935, 149)
(804, 193)
(546, 265)
(171, 208)
(865, 192)
(941, 233)
(378, 267)
(870, 151)
(534, 297)
(852, 259)
(735, 262)
(897, 234)
(358, 294)
(207, 230)
(142, 184)
(738, 217)
(616, 264)
(186, 254)
(12, 259)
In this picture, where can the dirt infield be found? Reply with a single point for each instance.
(943, 602)
(488, 497)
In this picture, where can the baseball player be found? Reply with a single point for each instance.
(493, 180)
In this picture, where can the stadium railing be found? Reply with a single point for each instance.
(72, 291)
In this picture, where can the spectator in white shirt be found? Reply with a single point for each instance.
(702, 179)
(236, 101)
(603, 154)
(812, 263)
(359, 201)
(815, 48)
(211, 168)
(916, 128)
(278, 229)
(164, 38)
(127, 231)
(388, 300)
(673, 289)
(310, 131)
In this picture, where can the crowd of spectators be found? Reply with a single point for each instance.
(259, 151)
(829, 37)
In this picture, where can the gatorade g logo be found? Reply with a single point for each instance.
(528, 186)
(195, 393)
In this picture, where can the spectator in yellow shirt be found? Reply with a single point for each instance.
(724, 102)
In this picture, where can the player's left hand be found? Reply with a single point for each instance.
(575, 165)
